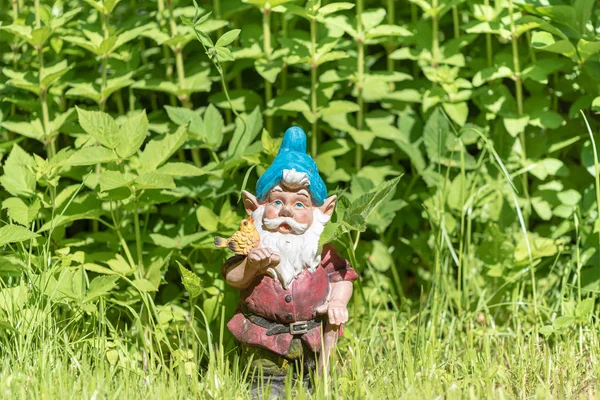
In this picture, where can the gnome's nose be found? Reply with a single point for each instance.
(286, 212)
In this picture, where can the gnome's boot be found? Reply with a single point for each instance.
(274, 386)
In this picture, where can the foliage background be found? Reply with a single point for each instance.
(129, 129)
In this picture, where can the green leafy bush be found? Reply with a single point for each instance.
(129, 129)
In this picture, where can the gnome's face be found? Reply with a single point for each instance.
(288, 210)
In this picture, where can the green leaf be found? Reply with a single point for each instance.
(372, 18)
(179, 169)
(228, 37)
(15, 234)
(207, 219)
(18, 178)
(585, 309)
(546, 330)
(191, 281)
(570, 197)
(154, 180)
(563, 322)
(110, 180)
(213, 126)
(435, 135)
(331, 232)
(178, 242)
(545, 41)
(334, 7)
(144, 285)
(388, 30)
(514, 126)
(19, 211)
(458, 112)
(185, 116)
(120, 265)
(587, 158)
(245, 134)
(33, 129)
(205, 39)
(39, 36)
(91, 155)
(339, 107)
(100, 126)
(100, 286)
(224, 54)
(380, 257)
(158, 151)
(268, 69)
(596, 104)
(49, 75)
(358, 211)
(132, 132)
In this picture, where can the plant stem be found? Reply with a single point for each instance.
(391, 20)
(414, 15)
(455, 21)
(313, 84)
(284, 70)
(168, 62)
(359, 84)
(519, 95)
(530, 47)
(138, 236)
(177, 50)
(266, 24)
(37, 13)
(44, 90)
(435, 46)
(488, 41)
(217, 13)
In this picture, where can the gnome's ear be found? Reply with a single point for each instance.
(250, 202)
(329, 205)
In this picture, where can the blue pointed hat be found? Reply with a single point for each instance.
(292, 155)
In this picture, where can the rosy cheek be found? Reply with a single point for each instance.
(270, 212)
(304, 217)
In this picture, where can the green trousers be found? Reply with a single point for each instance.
(300, 360)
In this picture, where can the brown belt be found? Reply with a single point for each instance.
(275, 328)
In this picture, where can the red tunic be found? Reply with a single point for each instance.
(266, 297)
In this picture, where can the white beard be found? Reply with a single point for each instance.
(296, 252)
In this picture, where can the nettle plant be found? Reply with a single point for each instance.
(129, 128)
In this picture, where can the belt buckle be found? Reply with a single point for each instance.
(299, 327)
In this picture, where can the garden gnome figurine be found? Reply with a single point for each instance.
(292, 292)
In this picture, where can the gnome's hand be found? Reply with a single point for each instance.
(260, 259)
(337, 312)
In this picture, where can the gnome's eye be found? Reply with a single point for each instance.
(299, 205)
(277, 203)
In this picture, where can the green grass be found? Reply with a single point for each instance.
(390, 355)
